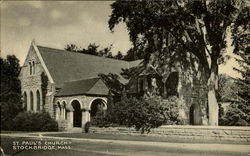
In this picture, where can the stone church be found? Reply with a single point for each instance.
(66, 84)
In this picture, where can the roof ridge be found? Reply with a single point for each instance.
(83, 79)
(84, 54)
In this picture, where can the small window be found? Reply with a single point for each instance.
(30, 68)
(33, 67)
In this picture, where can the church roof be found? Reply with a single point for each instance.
(65, 66)
(94, 86)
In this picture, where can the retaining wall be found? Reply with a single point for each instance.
(241, 134)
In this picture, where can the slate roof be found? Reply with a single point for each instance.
(94, 86)
(65, 66)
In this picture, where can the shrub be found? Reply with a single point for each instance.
(86, 127)
(29, 121)
(236, 115)
(144, 114)
(11, 105)
(99, 120)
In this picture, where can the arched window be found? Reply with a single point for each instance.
(33, 67)
(38, 99)
(31, 101)
(25, 101)
(30, 68)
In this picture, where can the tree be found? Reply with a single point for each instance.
(72, 47)
(239, 111)
(92, 49)
(187, 32)
(226, 89)
(119, 56)
(11, 102)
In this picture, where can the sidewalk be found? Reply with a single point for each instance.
(181, 146)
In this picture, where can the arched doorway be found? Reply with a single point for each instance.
(97, 106)
(77, 114)
(195, 115)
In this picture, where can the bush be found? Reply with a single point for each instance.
(172, 106)
(86, 127)
(29, 121)
(144, 114)
(100, 119)
(11, 105)
(236, 115)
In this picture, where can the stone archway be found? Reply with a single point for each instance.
(96, 106)
(195, 115)
(77, 113)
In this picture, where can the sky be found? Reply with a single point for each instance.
(57, 23)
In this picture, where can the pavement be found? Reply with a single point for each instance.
(142, 145)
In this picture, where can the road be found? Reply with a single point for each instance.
(102, 147)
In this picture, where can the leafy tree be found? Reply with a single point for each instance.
(119, 56)
(92, 49)
(113, 83)
(72, 47)
(188, 32)
(238, 113)
(226, 89)
(134, 54)
(11, 102)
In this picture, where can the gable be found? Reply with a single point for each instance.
(31, 57)
(39, 66)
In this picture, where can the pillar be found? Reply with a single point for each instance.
(70, 119)
(85, 117)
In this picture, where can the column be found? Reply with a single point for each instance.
(57, 113)
(70, 119)
(85, 117)
(62, 113)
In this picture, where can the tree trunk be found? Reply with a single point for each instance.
(212, 101)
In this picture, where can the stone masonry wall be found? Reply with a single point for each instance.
(32, 83)
(193, 92)
(239, 134)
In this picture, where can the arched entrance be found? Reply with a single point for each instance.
(195, 115)
(97, 106)
(77, 114)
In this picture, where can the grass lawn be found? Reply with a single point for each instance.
(130, 137)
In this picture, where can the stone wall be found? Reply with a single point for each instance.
(239, 134)
(31, 82)
(193, 93)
